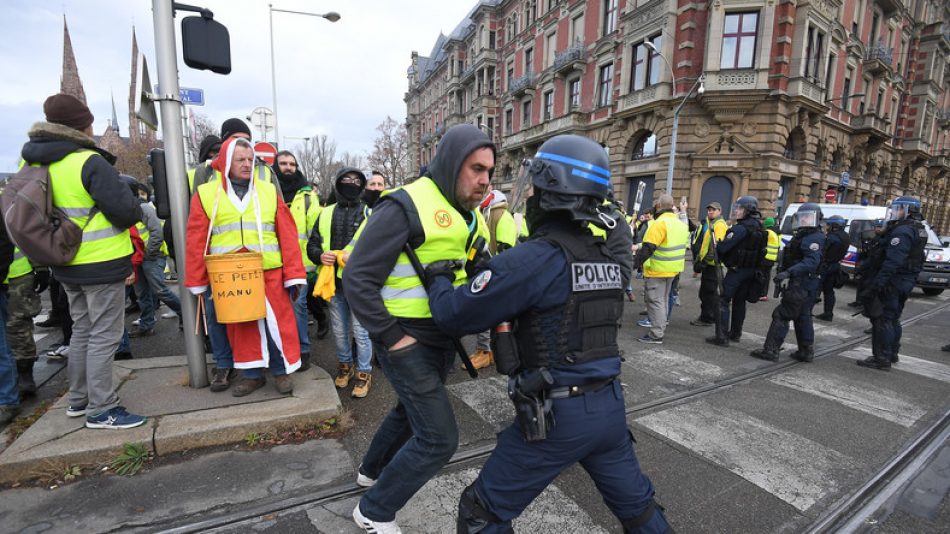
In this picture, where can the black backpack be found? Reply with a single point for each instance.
(43, 232)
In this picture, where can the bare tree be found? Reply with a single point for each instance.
(317, 160)
(390, 154)
(203, 127)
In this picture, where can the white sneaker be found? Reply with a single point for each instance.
(60, 353)
(363, 480)
(376, 527)
(136, 322)
(169, 315)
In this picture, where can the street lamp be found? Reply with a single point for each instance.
(332, 16)
(855, 95)
(699, 88)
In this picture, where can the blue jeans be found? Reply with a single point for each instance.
(674, 291)
(275, 362)
(218, 335)
(417, 437)
(9, 394)
(342, 319)
(150, 287)
(124, 344)
(302, 314)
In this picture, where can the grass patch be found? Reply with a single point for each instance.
(331, 427)
(131, 460)
(18, 426)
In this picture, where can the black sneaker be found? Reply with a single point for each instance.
(648, 338)
(701, 322)
(825, 317)
(722, 342)
(142, 332)
(765, 354)
(875, 363)
(220, 379)
(50, 322)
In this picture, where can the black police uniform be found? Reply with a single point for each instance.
(892, 269)
(836, 247)
(742, 252)
(801, 260)
(569, 301)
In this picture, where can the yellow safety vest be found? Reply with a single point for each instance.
(669, 258)
(719, 228)
(771, 249)
(232, 230)
(101, 240)
(21, 265)
(305, 208)
(447, 237)
(144, 234)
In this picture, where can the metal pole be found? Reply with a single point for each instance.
(166, 55)
(273, 77)
(669, 171)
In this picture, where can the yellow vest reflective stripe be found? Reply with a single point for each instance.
(144, 234)
(771, 249)
(101, 241)
(21, 265)
(305, 218)
(669, 256)
(711, 228)
(232, 230)
(447, 237)
(325, 226)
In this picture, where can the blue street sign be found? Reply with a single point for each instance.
(845, 176)
(189, 96)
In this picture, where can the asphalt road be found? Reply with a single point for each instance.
(767, 455)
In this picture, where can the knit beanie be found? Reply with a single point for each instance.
(233, 126)
(67, 110)
(209, 143)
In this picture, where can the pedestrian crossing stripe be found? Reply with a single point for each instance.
(488, 397)
(908, 364)
(673, 365)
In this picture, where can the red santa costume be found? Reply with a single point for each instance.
(249, 339)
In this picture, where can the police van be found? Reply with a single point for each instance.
(932, 280)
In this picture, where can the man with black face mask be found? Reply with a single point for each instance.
(334, 230)
(374, 187)
(305, 208)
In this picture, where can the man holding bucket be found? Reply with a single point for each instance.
(242, 242)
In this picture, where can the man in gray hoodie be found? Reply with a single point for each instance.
(436, 215)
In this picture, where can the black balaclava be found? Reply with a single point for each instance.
(347, 193)
(370, 196)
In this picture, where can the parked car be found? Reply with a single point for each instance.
(932, 280)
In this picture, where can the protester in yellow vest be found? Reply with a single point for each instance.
(771, 254)
(437, 217)
(237, 213)
(662, 256)
(87, 188)
(704, 263)
(305, 208)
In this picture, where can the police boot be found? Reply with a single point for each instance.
(882, 362)
(716, 340)
(894, 357)
(473, 517)
(24, 371)
(804, 353)
(765, 353)
(650, 520)
(825, 317)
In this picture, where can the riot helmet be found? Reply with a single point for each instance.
(836, 222)
(570, 173)
(903, 207)
(807, 216)
(744, 207)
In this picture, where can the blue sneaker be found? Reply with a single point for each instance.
(115, 418)
(75, 411)
(648, 338)
(645, 323)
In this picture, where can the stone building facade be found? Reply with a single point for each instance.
(802, 99)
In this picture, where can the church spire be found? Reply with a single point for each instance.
(69, 81)
(115, 118)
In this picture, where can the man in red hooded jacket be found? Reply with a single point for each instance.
(238, 195)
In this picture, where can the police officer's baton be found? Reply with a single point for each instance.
(421, 273)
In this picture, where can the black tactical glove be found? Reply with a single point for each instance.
(40, 280)
(784, 275)
(444, 268)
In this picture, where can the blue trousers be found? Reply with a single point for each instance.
(795, 306)
(886, 330)
(417, 437)
(275, 361)
(303, 317)
(150, 287)
(735, 290)
(590, 429)
(218, 335)
(828, 288)
(9, 394)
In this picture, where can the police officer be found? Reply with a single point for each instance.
(800, 266)
(742, 252)
(870, 238)
(564, 371)
(836, 247)
(892, 269)
(711, 231)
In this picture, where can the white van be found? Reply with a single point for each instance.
(932, 280)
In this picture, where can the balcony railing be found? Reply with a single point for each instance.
(871, 123)
(572, 121)
(568, 59)
(467, 73)
(878, 58)
(426, 137)
(520, 85)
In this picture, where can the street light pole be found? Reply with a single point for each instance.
(332, 16)
(676, 112)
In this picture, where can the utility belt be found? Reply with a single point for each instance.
(576, 391)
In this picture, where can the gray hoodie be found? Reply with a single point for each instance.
(384, 236)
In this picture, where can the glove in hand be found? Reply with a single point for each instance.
(444, 268)
(784, 275)
(40, 281)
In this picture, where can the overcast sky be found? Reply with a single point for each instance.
(340, 79)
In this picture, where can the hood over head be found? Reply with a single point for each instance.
(348, 194)
(222, 163)
(51, 142)
(456, 145)
(289, 183)
(209, 143)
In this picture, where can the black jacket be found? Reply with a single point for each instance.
(50, 143)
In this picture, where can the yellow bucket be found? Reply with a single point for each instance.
(237, 286)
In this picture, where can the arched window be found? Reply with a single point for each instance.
(820, 154)
(795, 145)
(837, 157)
(645, 147)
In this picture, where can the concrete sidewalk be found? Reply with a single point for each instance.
(179, 417)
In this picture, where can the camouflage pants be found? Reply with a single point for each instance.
(23, 305)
